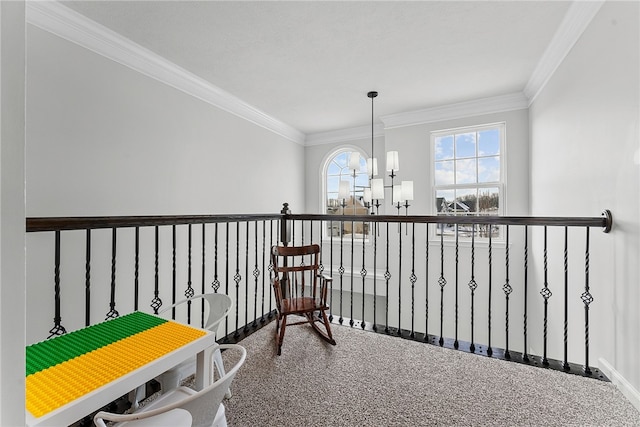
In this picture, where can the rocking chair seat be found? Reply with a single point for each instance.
(302, 305)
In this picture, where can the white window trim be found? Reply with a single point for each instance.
(433, 238)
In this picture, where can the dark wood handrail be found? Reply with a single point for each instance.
(94, 222)
(605, 221)
(86, 223)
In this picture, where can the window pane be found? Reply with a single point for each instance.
(444, 147)
(342, 160)
(466, 200)
(445, 203)
(362, 180)
(465, 145)
(444, 198)
(466, 171)
(333, 184)
(333, 169)
(489, 201)
(489, 142)
(444, 173)
(489, 169)
(363, 165)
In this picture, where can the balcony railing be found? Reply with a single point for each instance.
(521, 284)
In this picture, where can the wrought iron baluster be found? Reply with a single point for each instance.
(587, 299)
(412, 277)
(156, 302)
(293, 233)
(442, 282)
(387, 277)
(457, 257)
(473, 286)
(87, 280)
(226, 275)
(256, 274)
(426, 283)
(174, 283)
(237, 278)
(490, 284)
(113, 313)
(264, 240)
(320, 227)
(216, 282)
(136, 268)
(270, 267)
(203, 272)
(246, 275)
(331, 270)
(525, 355)
(353, 232)
(546, 294)
(189, 292)
(57, 329)
(341, 268)
(507, 291)
(363, 273)
(565, 363)
(375, 274)
(399, 279)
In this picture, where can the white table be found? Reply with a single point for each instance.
(96, 399)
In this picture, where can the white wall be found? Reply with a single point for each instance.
(12, 257)
(103, 139)
(584, 158)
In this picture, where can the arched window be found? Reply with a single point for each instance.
(343, 189)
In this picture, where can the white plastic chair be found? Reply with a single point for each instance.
(219, 306)
(183, 406)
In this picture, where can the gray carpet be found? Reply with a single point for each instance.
(370, 379)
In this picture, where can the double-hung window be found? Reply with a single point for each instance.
(468, 176)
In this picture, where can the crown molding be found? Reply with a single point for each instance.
(58, 19)
(496, 104)
(575, 21)
(343, 135)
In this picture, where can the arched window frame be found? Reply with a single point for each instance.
(330, 204)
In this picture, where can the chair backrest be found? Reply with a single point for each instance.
(219, 306)
(202, 405)
(295, 271)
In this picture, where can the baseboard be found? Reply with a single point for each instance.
(629, 391)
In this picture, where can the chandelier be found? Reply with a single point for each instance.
(374, 193)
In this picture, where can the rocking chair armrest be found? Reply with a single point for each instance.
(325, 278)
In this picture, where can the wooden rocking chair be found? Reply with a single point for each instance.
(299, 289)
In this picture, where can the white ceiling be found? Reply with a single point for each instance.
(310, 64)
